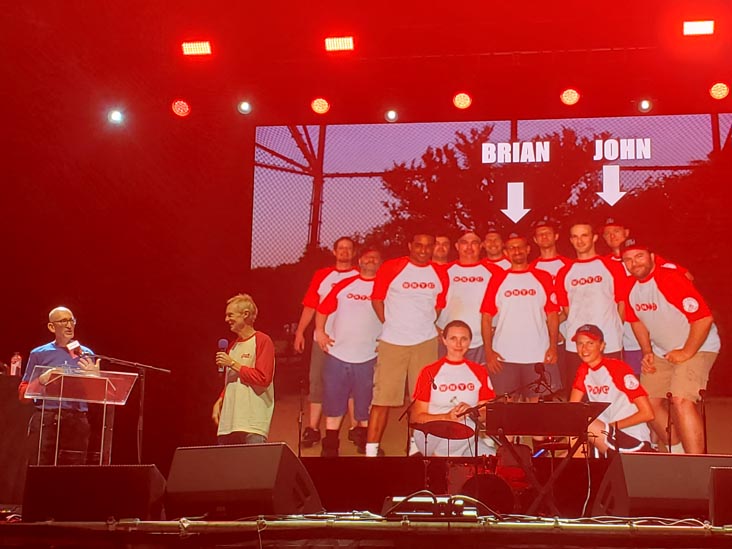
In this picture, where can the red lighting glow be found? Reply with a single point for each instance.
(180, 108)
(695, 28)
(462, 100)
(339, 43)
(570, 96)
(196, 48)
(320, 106)
(720, 90)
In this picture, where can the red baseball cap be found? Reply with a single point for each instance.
(589, 330)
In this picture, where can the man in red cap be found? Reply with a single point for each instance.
(622, 426)
(678, 339)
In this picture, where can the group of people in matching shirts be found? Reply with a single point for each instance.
(628, 328)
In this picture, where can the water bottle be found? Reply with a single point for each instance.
(16, 363)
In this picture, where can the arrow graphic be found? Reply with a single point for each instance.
(515, 201)
(611, 192)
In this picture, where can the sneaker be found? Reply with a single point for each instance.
(310, 437)
(357, 435)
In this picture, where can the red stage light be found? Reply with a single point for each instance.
(180, 108)
(339, 43)
(570, 96)
(695, 28)
(462, 100)
(196, 48)
(320, 106)
(720, 90)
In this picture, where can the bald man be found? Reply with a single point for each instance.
(64, 353)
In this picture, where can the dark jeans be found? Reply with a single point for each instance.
(73, 438)
(240, 437)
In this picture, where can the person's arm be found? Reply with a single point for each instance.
(643, 415)
(216, 412)
(644, 340)
(491, 357)
(698, 332)
(576, 395)
(419, 413)
(321, 337)
(378, 305)
(305, 318)
(552, 323)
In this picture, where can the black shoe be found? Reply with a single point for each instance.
(330, 444)
(358, 436)
(310, 437)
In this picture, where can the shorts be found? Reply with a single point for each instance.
(520, 380)
(317, 359)
(344, 379)
(683, 380)
(397, 364)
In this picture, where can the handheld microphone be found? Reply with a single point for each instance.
(223, 345)
(74, 348)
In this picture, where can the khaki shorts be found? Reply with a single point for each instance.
(315, 378)
(681, 380)
(396, 364)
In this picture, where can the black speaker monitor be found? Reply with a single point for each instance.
(234, 482)
(92, 492)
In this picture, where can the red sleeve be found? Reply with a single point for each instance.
(489, 298)
(21, 390)
(559, 285)
(630, 315)
(445, 280)
(263, 370)
(423, 387)
(620, 279)
(624, 378)
(545, 279)
(312, 298)
(387, 272)
(486, 391)
(330, 302)
(669, 265)
(579, 379)
(681, 293)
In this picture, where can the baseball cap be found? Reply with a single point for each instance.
(633, 244)
(589, 330)
(544, 222)
(612, 222)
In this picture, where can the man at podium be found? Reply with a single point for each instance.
(65, 353)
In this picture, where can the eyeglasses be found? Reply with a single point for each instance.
(65, 322)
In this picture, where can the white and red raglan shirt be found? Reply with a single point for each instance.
(411, 293)
(613, 381)
(522, 300)
(552, 266)
(666, 302)
(464, 295)
(355, 326)
(445, 384)
(592, 288)
(630, 343)
(320, 286)
(249, 394)
(502, 263)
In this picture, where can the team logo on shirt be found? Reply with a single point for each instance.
(445, 387)
(418, 285)
(690, 305)
(583, 281)
(646, 307)
(597, 389)
(245, 356)
(467, 279)
(358, 297)
(521, 292)
(631, 382)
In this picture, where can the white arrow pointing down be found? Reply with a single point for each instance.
(611, 192)
(515, 203)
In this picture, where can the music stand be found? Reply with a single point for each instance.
(63, 383)
(570, 419)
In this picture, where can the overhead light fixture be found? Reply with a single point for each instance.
(462, 100)
(196, 48)
(244, 107)
(570, 96)
(391, 115)
(116, 116)
(180, 108)
(339, 43)
(645, 105)
(720, 90)
(697, 28)
(320, 105)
